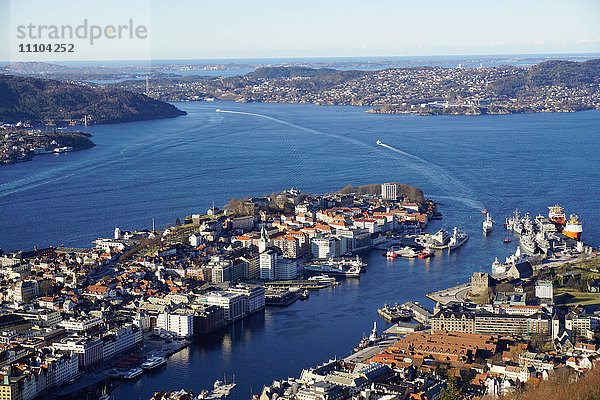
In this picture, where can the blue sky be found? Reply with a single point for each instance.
(267, 28)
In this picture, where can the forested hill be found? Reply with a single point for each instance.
(46, 101)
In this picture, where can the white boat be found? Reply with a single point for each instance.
(488, 223)
(497, 267)
(323, 279)
(132, 374)
(457, 239)
(379, 142)
(218, 110)
(154, 362)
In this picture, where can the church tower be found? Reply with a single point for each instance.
(262, 242)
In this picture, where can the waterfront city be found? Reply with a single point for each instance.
(299, 201)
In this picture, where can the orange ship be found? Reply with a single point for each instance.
(573, 228)
(556, 214)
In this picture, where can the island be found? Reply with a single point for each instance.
(55, 103)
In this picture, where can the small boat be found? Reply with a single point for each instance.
(379, 142)
(133, 373)
(427, 252)
(391, 254)
(218, 110)
(507, 240)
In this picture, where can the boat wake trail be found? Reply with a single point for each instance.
(304, 128)
(434, 173)
(441, 177)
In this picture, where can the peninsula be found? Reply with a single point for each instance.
(18, 144)
(54, 103)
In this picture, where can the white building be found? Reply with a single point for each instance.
(268, 264)
(388, 191)
(119, 340)
(544, 290)
(255, 296)
(325, 247)
(180, 323)
(195, 239)
(79, 325)
(233, 304)
(286, 269)
(62, 366)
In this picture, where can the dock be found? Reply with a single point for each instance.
(403, 328)
(420, 313)
(281, 298)
(455, 293)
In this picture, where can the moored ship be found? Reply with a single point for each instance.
(457, 239)
(154, 362)
(573, 228)
(340, 267)
(556, 214)
(528, 243)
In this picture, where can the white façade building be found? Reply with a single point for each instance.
(179, 322)
(255, 296)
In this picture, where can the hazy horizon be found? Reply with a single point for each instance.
(270, 29)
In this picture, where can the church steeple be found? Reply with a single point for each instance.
(263, 241)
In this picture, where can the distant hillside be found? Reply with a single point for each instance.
(286, 72)
(553, 72)
(47, 101)
(319, 77)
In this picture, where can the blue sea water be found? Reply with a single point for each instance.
(175, 167)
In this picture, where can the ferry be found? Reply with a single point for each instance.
(457, 239)
(438, 240)
(154, 362)
(573, 228)
(323, 279)
(350, 268)
(407, 252)
(488, 223)
(368, 341)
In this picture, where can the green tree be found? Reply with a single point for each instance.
(177, 222)
(452, 391)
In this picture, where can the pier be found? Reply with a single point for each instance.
(420, 313)
(297, 284)
(455, 293)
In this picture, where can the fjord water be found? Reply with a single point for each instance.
(171, 168)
